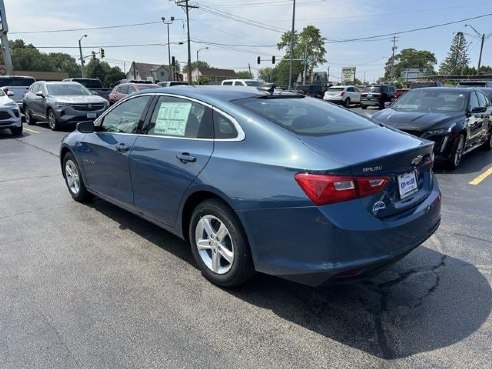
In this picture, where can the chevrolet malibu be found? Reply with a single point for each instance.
(278, 184)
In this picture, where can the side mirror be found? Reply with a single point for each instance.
(85, 127)
(387, 104)
(479, 109)
(10, 93)
(40, 94)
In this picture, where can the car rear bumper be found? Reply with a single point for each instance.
(372, 102)
(314, 245)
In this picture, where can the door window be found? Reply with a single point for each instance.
(482, 100)
(123, 89)
(125, 117)
(229, 83)
(473, 101)
(175, 117)
(223, 127)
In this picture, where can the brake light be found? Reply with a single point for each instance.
(342, 93)
(328, 189)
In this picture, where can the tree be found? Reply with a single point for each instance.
(98, 69)
(244, 74)
(457, 59)
(409, 58)
(200, 64)
(65, 63)
(114, 75)
(308, 46)
(265, 74)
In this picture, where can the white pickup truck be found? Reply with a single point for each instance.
(19, 85)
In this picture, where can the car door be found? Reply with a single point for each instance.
(484, 103)
(106, 155)
(474, 121)
(35, 102)
(176, 146)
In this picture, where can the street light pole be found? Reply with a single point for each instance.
(292, 43)
(203, 48)
(81, 56)
(169, 45)
(482, 37)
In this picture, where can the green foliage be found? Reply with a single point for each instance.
(309, 45)
(410, 58)
(204, 80)
(114, 74)
(265, 74)
(200, 64)
(457, 59)
(102, 70)
(244, 74)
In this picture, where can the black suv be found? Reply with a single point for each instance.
(377, 95)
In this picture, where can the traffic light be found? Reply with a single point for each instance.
(93, 55)
(102, 52)
(258, 60)
(273, 59)
(173, 61)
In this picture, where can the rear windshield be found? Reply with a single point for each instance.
(146, 87)
(335, 89)
(305, 116)
(372, 89)
(253, 83)
(89, 83)
(12, 81)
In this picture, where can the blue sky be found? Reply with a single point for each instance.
(337, 20)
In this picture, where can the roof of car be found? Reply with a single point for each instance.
(223, 93)
(450, 89)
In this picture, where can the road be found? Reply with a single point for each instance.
(92, 286)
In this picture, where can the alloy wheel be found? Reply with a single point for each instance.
(459, 151)
(214, 244)
(72, 176)
(52, 120)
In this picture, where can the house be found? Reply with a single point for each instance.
(215, 75)
(149, 72)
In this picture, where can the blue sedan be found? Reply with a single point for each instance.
(281, 184)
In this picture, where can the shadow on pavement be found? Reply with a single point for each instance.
(425, 302)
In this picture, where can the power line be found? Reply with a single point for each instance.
(410, 30)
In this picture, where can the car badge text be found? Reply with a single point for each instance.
(372, 169)
(417, 160)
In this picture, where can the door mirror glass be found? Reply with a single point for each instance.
(40, 94)
(85, 127)
(479, 109)
(10, 93)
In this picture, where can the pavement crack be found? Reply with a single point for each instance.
(386, 351)
(472, 237)
(37, 147)
(24, 178)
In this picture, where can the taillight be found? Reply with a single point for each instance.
(342, 93)
(328, 189)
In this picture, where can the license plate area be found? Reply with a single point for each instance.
(407, 184)
(91, 115)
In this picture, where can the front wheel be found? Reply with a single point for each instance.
(219, 245)
(52, 121)
(73, 179)
(16, 131)
(457, 153)
(29, 118)
(487, 145)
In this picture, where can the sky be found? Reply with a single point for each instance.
(236, 32)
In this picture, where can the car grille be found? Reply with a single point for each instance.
(88, 107)
(4, 115)
(16, 113)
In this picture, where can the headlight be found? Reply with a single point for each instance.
(61, 105)
(435, 132)
(11, 105)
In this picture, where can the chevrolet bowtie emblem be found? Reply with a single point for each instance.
(417, 160)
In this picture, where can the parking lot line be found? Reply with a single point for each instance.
(31, 130)
(481, 177)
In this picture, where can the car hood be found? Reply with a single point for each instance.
(416, 120)
(82, 99)
(6, 100)
(363, 145)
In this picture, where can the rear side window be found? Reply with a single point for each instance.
(223, 127)
(305, 116)
(227, 83)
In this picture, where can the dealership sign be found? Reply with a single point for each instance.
(348, 74)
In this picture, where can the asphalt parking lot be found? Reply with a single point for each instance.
(92, 286)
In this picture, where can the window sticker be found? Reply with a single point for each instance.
(171, 119)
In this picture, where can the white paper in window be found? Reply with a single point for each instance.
(171, 119)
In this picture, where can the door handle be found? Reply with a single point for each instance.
(122, 147)
(186, 158)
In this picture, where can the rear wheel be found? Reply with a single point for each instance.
(73, 179)
(52, 121)
(457, 153)
(362, 106)
(219, 245)
(16, 131)
(346, 103)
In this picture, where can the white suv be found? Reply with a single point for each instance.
(345, 95)
(241, 82)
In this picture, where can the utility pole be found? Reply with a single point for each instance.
(482, 37)
(81, 56)
(184, 4)
(167, 23)
(7, 56)
(393, 58)
(305, 65)
(292, 43)
(249, 67)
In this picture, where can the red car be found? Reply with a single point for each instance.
(124, 89)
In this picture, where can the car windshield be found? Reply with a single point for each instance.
(372, 89)
(61, 89)
(430, 99)
(253, 83)
(146, 87)
(24, 82)
(305, 116)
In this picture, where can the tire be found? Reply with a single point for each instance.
(73, 179)
(362, 106)
(16, 131)
(346, 103)
(52, 121)
(457, 153)
(29, 118)
(219, 244)
(487, 145)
